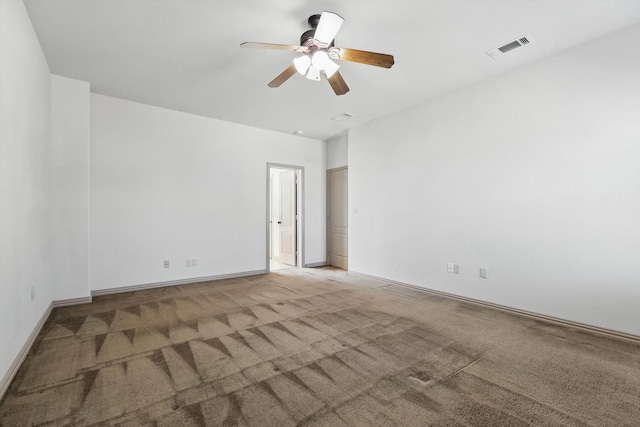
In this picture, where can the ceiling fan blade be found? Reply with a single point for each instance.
(338, 84)
(256, 45)
(283, 77)
(362, 56)
(328, 27)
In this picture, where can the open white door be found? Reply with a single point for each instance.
(288, 217)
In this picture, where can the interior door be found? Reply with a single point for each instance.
(337, 220)
(271, 219)
(288, 217)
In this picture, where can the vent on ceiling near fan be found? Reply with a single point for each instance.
(341, 117)
(519, 42)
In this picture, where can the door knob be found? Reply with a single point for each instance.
(279, 222)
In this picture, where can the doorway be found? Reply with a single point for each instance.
(285, 216)
(337, 218)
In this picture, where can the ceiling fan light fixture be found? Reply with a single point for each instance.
(313, 74)
(302, 64)
(320, 60)
(330, 69)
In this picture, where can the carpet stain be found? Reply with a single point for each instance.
(421, 376)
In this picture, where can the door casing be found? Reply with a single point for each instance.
(300, 259)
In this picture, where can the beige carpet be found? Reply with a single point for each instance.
(316, 348)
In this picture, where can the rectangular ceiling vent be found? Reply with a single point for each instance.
(341, 117)
(519, 42)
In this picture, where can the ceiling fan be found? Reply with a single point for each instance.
(318, 52)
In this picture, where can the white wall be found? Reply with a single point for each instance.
(337, 151)
(172, 186)
(534, 174)
(25, 244)
(70, 186)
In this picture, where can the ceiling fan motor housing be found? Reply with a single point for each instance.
(306, 39)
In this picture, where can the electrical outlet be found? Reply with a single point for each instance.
(188, 263)
(166, 263)
(456, 268)
(194, 262)
(33, 293)
(484, 272)
(450, 267)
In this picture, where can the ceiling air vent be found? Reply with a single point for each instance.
(341, 117)
(519, 42)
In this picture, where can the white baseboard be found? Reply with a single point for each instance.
(71, 301)
(24, 351)
(315, 264)
(551, 319)
(175, 282)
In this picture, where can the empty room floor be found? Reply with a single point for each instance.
(316, 347)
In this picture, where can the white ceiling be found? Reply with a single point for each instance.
(185, 54)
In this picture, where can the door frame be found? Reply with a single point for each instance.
(299, 222)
